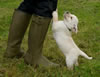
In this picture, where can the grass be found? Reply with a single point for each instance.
(88, 40)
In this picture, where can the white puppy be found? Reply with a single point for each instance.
(62, 34)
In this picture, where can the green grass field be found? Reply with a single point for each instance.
(88, 40)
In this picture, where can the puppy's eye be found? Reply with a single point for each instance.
(71, 17)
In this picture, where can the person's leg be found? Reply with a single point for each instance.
(20, 21)
(37, 33)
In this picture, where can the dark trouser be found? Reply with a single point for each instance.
(39, 7)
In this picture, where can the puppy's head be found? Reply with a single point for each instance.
(71, 21)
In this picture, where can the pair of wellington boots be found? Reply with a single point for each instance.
(37, 32)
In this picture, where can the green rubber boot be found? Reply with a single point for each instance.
(37, 33)
(18, 27)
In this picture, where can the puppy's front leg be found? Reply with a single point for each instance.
(55, 16)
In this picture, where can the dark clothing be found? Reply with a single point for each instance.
(39, 7)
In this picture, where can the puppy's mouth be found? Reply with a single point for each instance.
(66, 14)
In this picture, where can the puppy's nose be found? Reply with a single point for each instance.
(67, 12)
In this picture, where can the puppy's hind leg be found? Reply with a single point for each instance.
(76, 63)
(70, 61)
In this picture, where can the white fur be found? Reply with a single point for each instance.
(63, 38)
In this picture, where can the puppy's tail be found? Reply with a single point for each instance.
(85, 55)
(55, 16)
